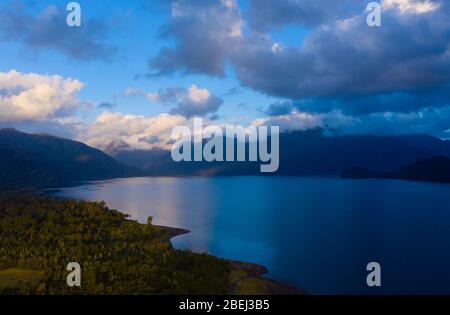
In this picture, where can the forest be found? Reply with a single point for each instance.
(40, 235)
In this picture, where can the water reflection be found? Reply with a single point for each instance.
(316, 233)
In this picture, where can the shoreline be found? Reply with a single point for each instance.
(171, 232)
(246, 275)
(244, 278)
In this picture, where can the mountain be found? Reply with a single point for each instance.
(38, 160)
(306, 153)
(434, 169)
(159, 162)
(432, 144)
(116, 146)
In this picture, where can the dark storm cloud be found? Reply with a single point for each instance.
(48, 30)
(343, 59)
(353, 60)
(432, 121)
(190, 108)
(269, 14)
(280, 108)
(204, 34)
(397, 74)
(389, 102)
(214, 117)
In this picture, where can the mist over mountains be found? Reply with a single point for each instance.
(305, 153)
(39, 160)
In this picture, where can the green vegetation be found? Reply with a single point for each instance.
(40, 236)
(25, 280)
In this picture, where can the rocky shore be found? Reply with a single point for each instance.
(245, 278)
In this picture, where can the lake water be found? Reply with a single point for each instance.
(318, 234)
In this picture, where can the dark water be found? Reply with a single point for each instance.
(316, 233)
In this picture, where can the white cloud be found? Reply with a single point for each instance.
(293, 121)
(190, 102)
(151, 97)
(30, 96)
(197, 95)
(135, 130)
(411, 6)
(276, 48)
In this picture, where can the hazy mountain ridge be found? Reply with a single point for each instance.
(434, 169)
(37, 160)
(305, 153)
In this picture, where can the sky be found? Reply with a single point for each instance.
(136, 69)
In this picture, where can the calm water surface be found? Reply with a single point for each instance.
(315, 233)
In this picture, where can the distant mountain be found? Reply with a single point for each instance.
(434, 169)
(37, 160)
(159, 162)
(437, 146)
(115, 147)
(306, 153)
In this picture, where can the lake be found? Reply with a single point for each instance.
(316, 233)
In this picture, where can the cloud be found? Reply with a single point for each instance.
(379, 103)
(35, 97)
(151, 140)
(205, 33)
(433, 121)
(411, 6)
(280, 108)
(342, 64)
(48, 30)
(409, 56)
(185, 102)
(233, 91)
(197, 102)
(267, 15)
(272, 14)
(294, 121)
(166, 96)
(214, 117)
(139, 132)
(107, 105)
(134, 92)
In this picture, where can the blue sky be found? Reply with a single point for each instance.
(299, 64)
(134, 33)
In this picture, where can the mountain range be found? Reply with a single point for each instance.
(39, 160)
(305, 153)
(434, 169)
